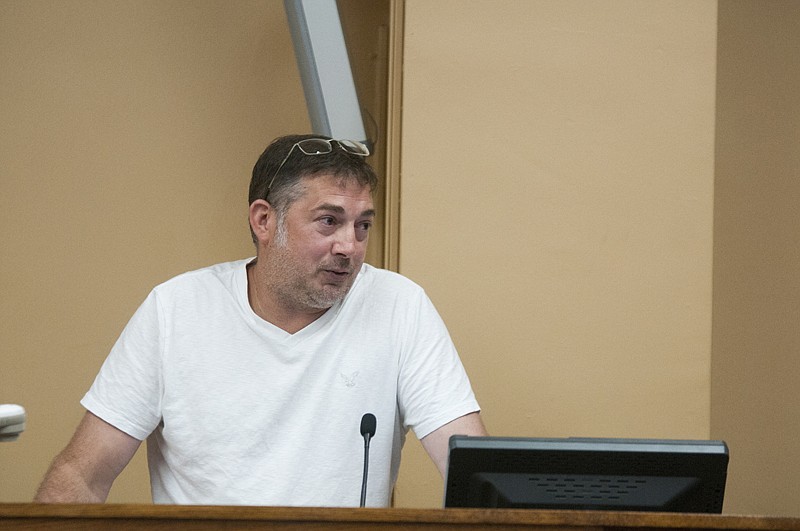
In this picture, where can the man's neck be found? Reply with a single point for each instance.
(269, 307)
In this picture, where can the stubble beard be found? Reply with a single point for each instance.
(293, 288)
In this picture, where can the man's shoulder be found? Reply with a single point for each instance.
(223, 274)
(375, 278)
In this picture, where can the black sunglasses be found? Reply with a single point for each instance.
(320, 146)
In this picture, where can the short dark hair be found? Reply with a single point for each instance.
(338, 163)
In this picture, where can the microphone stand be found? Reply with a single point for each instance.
(366, 469)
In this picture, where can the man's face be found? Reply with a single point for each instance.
(323, 246)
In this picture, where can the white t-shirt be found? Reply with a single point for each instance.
(238, 411)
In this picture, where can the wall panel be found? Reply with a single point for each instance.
(557, 203)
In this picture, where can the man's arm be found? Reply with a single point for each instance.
(84, 471)
(437, 443)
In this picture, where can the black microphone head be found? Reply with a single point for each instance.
(368, 424)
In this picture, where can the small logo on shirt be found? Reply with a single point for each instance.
(349, 380)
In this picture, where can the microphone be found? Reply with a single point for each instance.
(368, 423)
(12, 422)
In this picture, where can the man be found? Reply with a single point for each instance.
(249, 379)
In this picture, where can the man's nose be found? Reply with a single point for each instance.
(346, 242)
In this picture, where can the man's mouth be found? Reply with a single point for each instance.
(338, 272)
(341, 269)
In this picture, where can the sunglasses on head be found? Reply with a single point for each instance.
(320, 146)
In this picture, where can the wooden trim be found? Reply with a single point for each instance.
(157, 517)
(391, 242)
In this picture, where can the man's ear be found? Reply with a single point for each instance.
(262, 217)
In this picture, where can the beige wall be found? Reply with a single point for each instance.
(562, 163)
(129, 130)
(557, 196)
(756, 336)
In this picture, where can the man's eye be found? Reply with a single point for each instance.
(327, 220)
(365, 225)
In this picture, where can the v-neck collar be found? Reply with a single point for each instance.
(270, 331)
